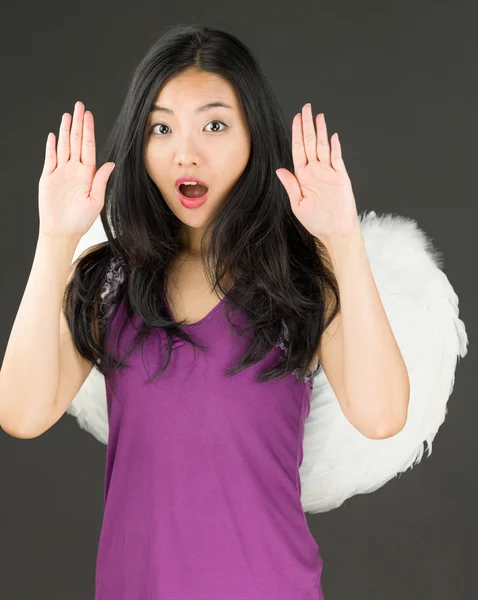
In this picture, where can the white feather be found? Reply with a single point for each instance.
(422, 308)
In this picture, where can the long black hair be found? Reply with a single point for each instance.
(282, 273)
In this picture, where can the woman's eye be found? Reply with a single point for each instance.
(163, 125)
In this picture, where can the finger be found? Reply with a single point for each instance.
(323, 148)
(49, 164)
(100, 180)
(88, 146)
(298, 152)
(76, 131)
(336, 159)
(310, 139)
(64, 139)
(291, 186)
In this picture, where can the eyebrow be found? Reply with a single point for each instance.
(199, 109)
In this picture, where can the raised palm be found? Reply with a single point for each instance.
(71, 191)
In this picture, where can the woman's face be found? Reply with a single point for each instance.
(212, 145)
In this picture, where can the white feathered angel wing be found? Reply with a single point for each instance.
(422, 309)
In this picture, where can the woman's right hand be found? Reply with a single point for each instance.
(71, 192)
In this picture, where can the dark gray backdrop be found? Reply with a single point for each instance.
(398, 81)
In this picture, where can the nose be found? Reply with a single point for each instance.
(185, 159)
(187, 151)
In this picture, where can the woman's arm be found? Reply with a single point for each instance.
(358, 351)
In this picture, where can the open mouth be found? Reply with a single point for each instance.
(196, 198)
(193, 191)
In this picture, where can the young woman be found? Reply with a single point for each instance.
(261, 266)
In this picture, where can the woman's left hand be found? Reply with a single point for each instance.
(320, 193)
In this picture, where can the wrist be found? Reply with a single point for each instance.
(346, 254)
(347, 243)
(58, 244)
(67, 241)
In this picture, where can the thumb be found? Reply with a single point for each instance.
(291, 186)
(100, 180)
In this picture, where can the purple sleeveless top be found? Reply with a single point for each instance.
(202, 487)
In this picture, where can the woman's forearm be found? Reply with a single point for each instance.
(375, 375)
